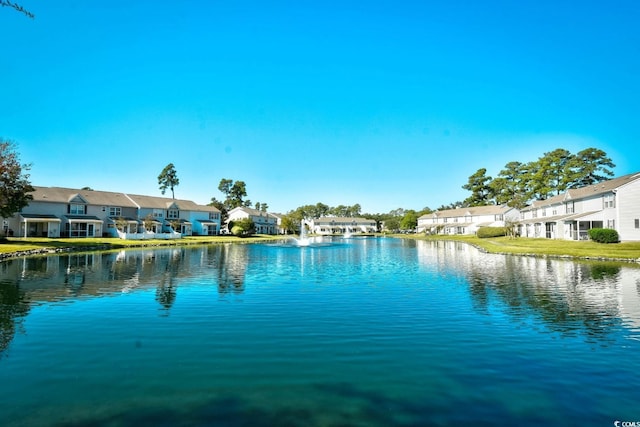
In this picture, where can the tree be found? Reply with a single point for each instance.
(392, 223)
(234, 192)
(409, 221)
(551, 174)
(16, 6)
(510, 186)
(168, 178)
(590, 166)
(290, 224)
(243, 227)
(224, 214)
(15, 187)
(478, 184)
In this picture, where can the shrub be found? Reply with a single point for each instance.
(484, 232)
(604, 235)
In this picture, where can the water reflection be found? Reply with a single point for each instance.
(14, 307)
(590, 299)
(570, 297)
(39, 280)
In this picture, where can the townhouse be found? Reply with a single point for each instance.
(264, 222)
(466, 220)
(341, 225)
(67, 212)
(611, 204)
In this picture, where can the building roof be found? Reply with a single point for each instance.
(585, 192)
(249, 211)
(472, 210)
(93, 197)
(342, 219)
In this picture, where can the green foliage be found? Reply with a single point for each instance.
(481, 192)
(290, 224)
(243, 227)
(15, 187)
(168, 179)
(487, 232)
(392, 224)
(409, 221)
(590, 166)
(235, 193)
(552, 173)
(604, 235)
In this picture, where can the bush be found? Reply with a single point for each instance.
(604, 235)
(485, 232)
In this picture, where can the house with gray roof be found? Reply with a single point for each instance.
(466, 220)
(613, 204)
(66, 212)
(264, 222)
(341, 225)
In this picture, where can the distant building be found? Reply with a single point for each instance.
(466, 220)
(264, 222)
(341, 225)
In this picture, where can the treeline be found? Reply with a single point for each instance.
(516, 185)
(553, 173)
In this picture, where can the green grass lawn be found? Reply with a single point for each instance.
(15, 244)
(528, 246)
(521, 245)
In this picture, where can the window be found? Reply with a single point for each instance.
(569, 208)
(534, 213)
(76, 209)
(611, 223)
(554, 212)
(544, 212)
(637, 222)
(498, 217)
(173, 214)
(115, 211)
(158, 213)
(213, 215)
(609, 201)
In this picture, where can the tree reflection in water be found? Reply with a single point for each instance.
(570, 297)
(14, 307)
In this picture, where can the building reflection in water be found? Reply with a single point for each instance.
(569, 296)
(590, 297)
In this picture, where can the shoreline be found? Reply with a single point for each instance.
(545, 248)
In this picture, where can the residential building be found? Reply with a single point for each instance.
(611, 204)
(341, 225)
(165, 215)
(264, 222)
(466, 220)
(66, 212)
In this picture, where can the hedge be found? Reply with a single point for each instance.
(604, 235)
(485, 232)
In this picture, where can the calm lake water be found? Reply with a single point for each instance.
(362, 332)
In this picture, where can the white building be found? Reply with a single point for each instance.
(265, 223)
(341, 225)
(466, 220)
(611, 204)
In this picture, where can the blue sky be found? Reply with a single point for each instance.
(386, 104)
